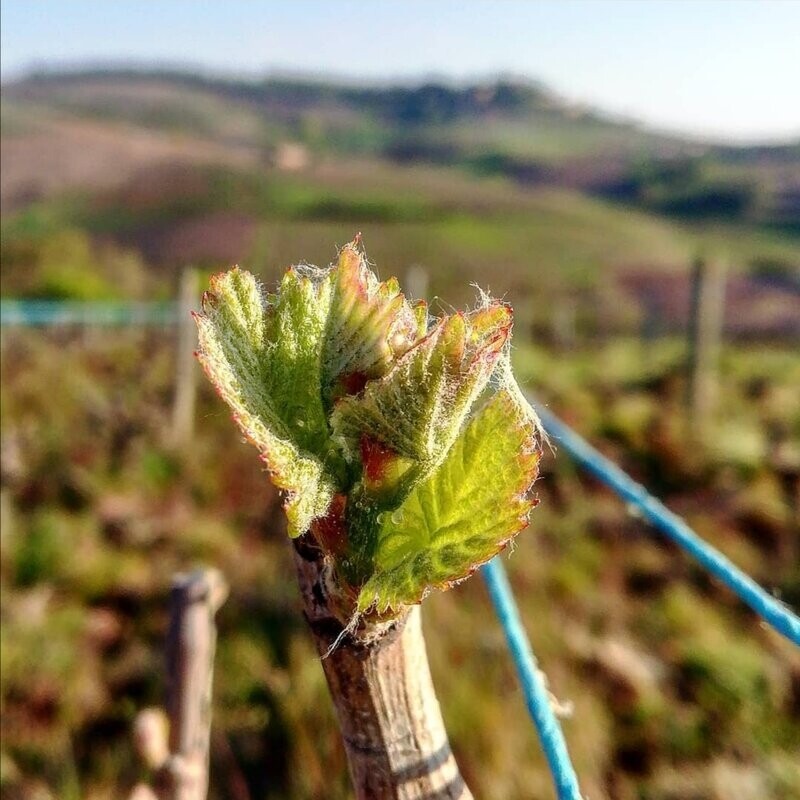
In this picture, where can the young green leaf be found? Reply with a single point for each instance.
(262, 359)
(463, 514)
(415, 412)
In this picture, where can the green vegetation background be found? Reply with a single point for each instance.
(678, 691)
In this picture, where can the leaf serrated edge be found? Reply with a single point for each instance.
(531, 454)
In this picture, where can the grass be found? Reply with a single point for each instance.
(487, 232)
(104, 512)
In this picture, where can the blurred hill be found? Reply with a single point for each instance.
(507, 127)
(113, 180)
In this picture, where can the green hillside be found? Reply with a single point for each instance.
(505, 127)
(113, 183)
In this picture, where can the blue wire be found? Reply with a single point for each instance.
(536, 697)
(767, 607)
(34, 313)
(533, 688)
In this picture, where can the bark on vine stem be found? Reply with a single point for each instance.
(380, 682)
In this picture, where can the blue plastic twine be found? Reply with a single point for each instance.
(40, 313)
(537, 698)
(767, 607)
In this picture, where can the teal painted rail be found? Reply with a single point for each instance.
(45, 313)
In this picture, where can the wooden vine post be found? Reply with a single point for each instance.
(705, 339)
(191, 642)
(406, 456)
(175, 746)
(417, 281)
(185, 368)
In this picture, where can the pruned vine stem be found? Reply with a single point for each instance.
(380, 682)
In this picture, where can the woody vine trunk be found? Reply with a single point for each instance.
(389, 717)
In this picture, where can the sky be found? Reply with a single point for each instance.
(723, 69)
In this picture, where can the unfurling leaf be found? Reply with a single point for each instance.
(417, 409)
(364, 415)
(369, 325)
(262, 365)
(463, 514)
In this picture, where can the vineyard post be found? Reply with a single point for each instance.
(10, 474)
(185, 367)
(417, 281)
(194, 600)
(705, 337)
(527, 318)
(563, 323)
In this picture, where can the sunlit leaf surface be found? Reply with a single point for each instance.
(363, 411)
